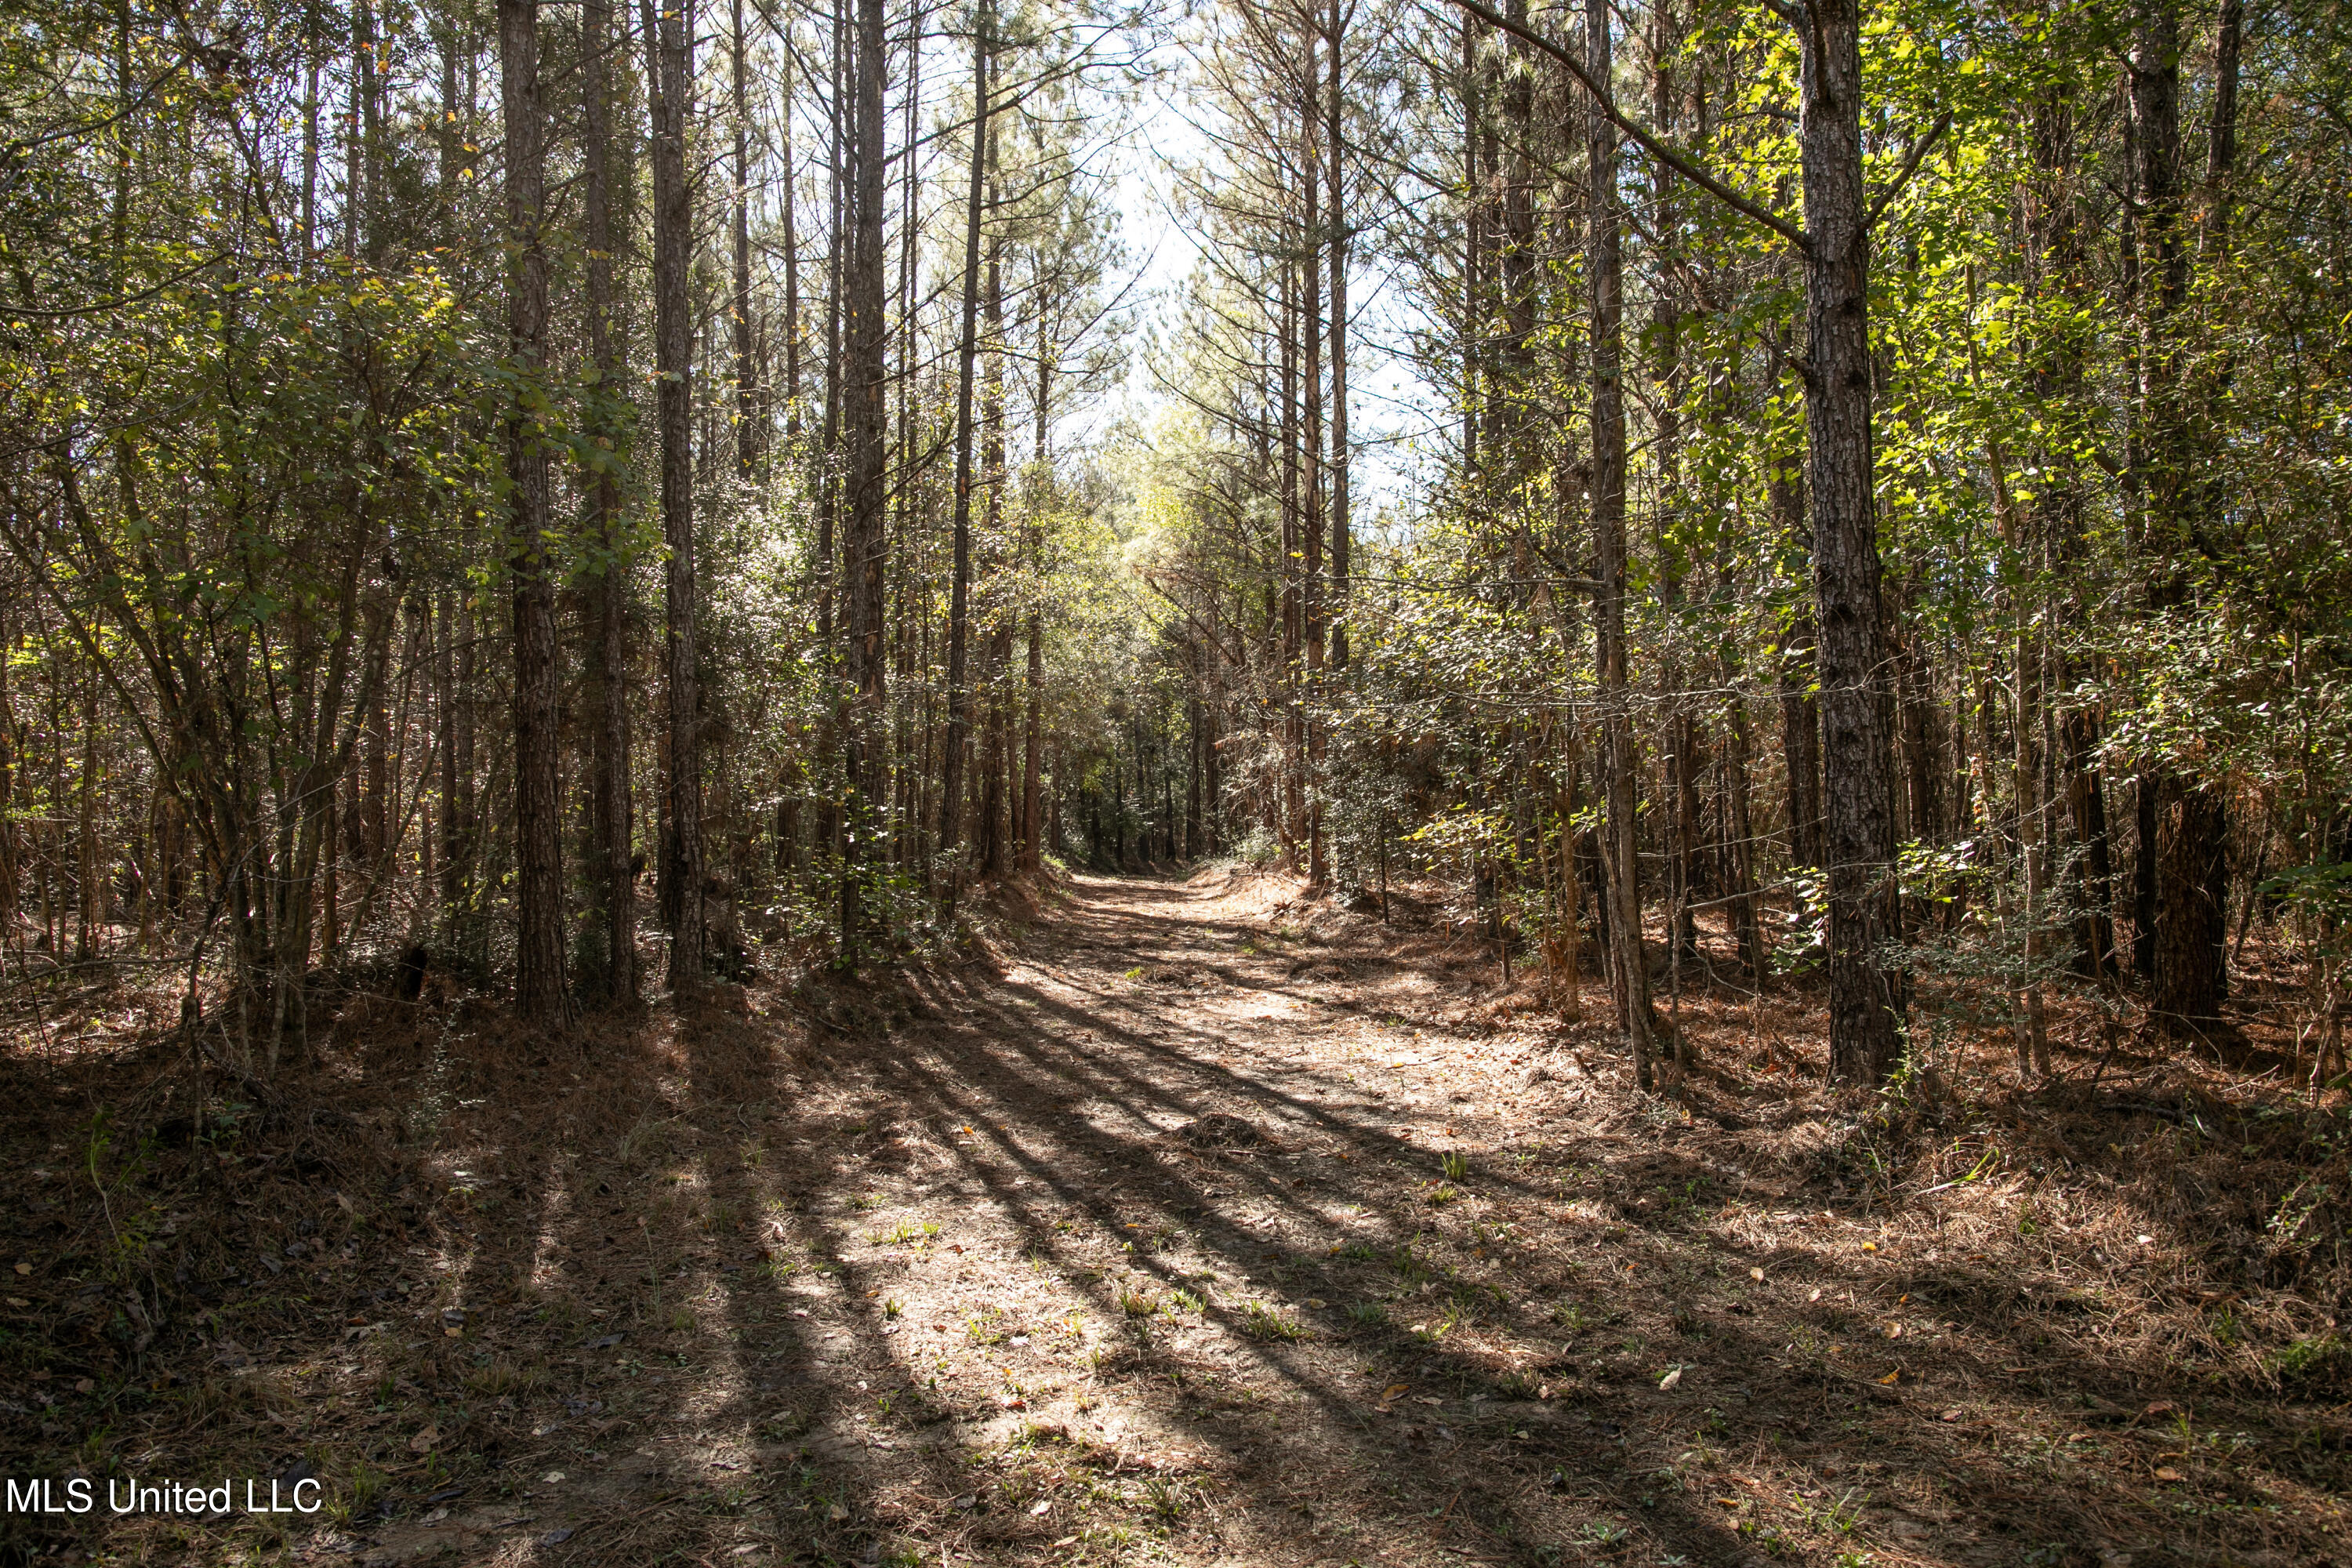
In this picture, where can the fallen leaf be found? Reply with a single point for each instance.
(23, 1268)
(555, 1538)
(2167, 1473)
(836, 1512)
(1671, 1379)
(1042, 1504)
(1892, 1377)
(18, 1302)
(1756, 1275)
(422, 1442)
(1396, 1391)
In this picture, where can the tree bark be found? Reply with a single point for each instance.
(990, 797)
(746, 393)
(865, 388)
(959, 715)
(1739, 828)
(2188, 955)
(1605, 306)
(669, 76)
(791, 390)
(1291, 790)
(1335, 169)
(1867, 993)
(1040, 491)
(615, 879)
(538, 868)
(1311, 450)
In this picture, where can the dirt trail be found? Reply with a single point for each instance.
(1201, 1233)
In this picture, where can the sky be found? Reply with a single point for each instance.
(1387, 404)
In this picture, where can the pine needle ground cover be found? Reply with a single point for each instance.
(1188, 1223)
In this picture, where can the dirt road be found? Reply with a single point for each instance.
(1196, 1231)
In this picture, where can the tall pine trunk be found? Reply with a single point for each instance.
(2188, 817)
(1310, 197)
(1605, 307)
(614, 878)
(669, 76)
(1801, 710)
(1334, 167)
(1866, 992)
(958, 714)
(748, 412)
(539, 868)
(866, 390)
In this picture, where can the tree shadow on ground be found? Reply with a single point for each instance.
(1084, 1268)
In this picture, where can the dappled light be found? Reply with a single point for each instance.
(1211, 782)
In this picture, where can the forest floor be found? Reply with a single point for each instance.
(1190, 1223)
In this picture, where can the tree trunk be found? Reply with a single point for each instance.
(829, 488)
(538, 868)
(866, 386)
(1294, 724)
(669, 77)
(1739, 832)
(2025, 732)
(1040, 491)
(615, 879)
(746, 393)
(958, 716)
(1473, 319)
(792, 243)
(1311, 450)
(1800, 713)
(1604, 281)
(2094, 874)
(1866, 995)
(1336, 168)
(2186, 853)
(2191, 928)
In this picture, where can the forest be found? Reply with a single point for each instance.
(1202, 781)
